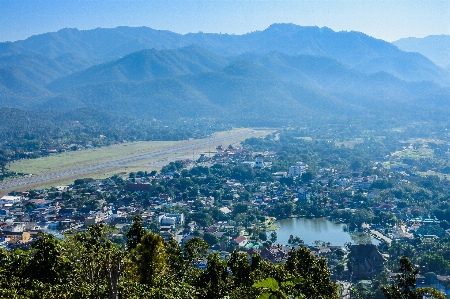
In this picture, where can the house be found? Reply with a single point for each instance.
(171, 219)
(67, 212)
(10, 199)
(14, 237)
(367, 261)
(240, 241)
(137, 187)
(225, 210)
(298, 169)
(275, 254)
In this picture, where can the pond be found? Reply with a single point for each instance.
(318, 229)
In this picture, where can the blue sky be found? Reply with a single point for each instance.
(384, 19)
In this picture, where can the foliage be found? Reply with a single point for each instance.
(274, 289)
(135, 233)
(88, 265)
(405, 285)
(313, 273)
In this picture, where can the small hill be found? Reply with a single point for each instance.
(145, 65)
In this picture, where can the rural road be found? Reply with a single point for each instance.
(23, 182)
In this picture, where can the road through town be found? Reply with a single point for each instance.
(155, 158)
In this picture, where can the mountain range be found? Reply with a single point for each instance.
(435, 47)
(281, 75)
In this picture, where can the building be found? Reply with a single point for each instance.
(259, 161)
(364, 183)
(240, 241)
(298, 169)
(219, 150)
(7, 199)
(171, 219)
(367, 261)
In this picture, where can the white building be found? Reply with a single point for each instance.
(298, 169)
(171, 219)
(259, 161)
(343, 182)
(365, 182)
(10, 199)
(219, 149)
(167, 221)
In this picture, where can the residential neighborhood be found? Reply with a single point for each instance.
(232, 200)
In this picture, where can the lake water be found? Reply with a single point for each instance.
(310, 230)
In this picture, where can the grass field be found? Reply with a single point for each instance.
(350, 143)
(423, 140)
(415, 154)
(77, 159)
(304, 138)
(81, 158)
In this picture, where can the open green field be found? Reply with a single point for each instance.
(431, 172)
(69, 160)
(304, 138)
(423, 140)
(414, 154)
(350, 143)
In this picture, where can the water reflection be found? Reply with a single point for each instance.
(317, 229)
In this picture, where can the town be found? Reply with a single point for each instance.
(233, 198)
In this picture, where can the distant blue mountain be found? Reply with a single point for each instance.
(285, 72)
(435, 47)
(354, 49)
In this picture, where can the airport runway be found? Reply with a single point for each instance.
(23, 182)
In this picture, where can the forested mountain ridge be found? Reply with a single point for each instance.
(283, 75)
(145, 65)
(271, 86)
(355, 49)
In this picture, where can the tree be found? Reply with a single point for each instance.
(194, 250)
(434, 263)
(47, 264)
(90, 252)
(135, 233)
(210, 238)
(213, 282)
(150, 258)
(273, 237)
(262, 235)
(360, 217)
(239, 266)
(405, 285)
(275, 290)
(314, 274)
(175, 258)
(306, 177)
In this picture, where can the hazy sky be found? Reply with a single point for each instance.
(385, 19)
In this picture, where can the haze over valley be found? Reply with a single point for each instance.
(286, 71)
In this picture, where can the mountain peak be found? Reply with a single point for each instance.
(293, 28)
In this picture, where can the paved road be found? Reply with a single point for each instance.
(192, 144)
(380, 236)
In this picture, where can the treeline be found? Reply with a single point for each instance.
(89, 265)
